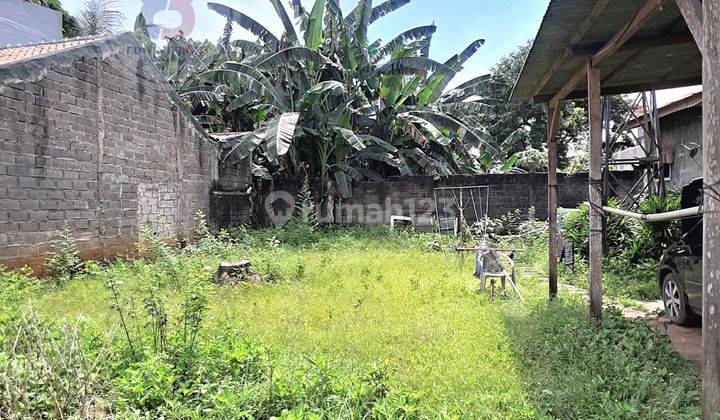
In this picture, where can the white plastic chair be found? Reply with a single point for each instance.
(489, 264)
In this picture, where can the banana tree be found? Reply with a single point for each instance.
(323, 95)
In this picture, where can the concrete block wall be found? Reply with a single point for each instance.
(102, 145)
(373, 203)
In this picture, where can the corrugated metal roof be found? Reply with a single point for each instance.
(660, 55)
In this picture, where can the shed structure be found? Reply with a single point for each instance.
(591, 48)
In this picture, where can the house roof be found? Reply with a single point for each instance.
(662, 54)
(10, 54)
(22, 22)
(680, 105)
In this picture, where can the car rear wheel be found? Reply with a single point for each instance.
(675, 300)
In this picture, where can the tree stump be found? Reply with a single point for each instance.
(232, 273)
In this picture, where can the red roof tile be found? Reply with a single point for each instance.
(8, 55)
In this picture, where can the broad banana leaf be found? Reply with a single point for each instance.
(380, 155)
(458, 128)
(246, 81)
(378, 11)
(248, 47)
(351, 138)
(379, 142)
(280, 134)
(314, 29)
(427, 128)
(386, 8)
(246, 22)
(415, 65)
(473, 107)
(287, 23)
(362, 13)
(260, 171)
(412, 35)
(299, 54)
(456, 62)
(260, 77)
(509, 163)
(343, 182)
(241, 146)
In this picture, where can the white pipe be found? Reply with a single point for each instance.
(658, 217)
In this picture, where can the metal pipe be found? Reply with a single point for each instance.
(657, 217)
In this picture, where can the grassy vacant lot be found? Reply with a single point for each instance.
(351, 323)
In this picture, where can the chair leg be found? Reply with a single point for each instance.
(482, 283)
(502, 282)
(492, 289)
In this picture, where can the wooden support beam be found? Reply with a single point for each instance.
(552, 122)
(595, 193)
(660, 40)
(628, 31)
(692, 11)
(711, 204)
(582, 29)
(617, 41)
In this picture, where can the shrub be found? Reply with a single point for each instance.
(49, 370)
(64, 261)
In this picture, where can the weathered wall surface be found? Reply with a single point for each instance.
(373, 203)
(681, 132)
(98, 143)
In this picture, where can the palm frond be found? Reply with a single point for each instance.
(100, 17)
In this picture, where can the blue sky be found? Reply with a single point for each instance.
(503, 24)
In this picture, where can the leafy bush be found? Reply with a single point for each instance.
(49, 370)
(64, 261)
(626, 370)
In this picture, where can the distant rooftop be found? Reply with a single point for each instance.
(8, 55)
(22, 22)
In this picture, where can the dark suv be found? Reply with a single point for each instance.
(680, 274)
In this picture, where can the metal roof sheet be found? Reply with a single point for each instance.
(660, 55)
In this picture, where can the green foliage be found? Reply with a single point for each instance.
(518, 125)
(326, 104)
(63, 262)
(578, 164)
(532, 160)
(305, 213)
(623, 371)
(359, 323)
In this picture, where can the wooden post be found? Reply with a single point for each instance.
(711, 204)
(552, 121)
(595, 193)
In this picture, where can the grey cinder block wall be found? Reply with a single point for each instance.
(373, 203)
(100, 141)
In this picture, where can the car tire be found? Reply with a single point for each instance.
(677, 308)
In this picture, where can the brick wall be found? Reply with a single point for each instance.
(373, 203)
(102, 144)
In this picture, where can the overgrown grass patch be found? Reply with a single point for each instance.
(351, 323)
